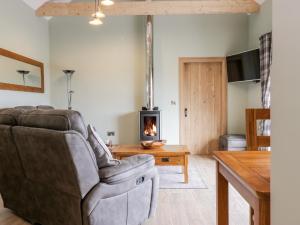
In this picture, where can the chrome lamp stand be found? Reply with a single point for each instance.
(70, 92)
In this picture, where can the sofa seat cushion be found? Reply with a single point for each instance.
(128, 168)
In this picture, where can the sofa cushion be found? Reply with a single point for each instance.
(9, 116)
(45, 107)
(129, 167)
(28, 107)
(61, 120)
(25, 107)
(102, 153)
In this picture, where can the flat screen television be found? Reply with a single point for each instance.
(244, 66)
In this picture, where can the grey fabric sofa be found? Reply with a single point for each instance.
(49, 176)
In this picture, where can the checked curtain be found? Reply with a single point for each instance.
(265, 69)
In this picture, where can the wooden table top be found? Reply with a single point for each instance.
(252, 168)
(165, 150)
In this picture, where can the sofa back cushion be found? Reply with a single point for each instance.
(45, 173)
(28, 107)
(62, 160)
(60, 120)
(10, 116)
(11, 173)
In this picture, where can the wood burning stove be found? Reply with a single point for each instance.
(150, 115)
(149, 125)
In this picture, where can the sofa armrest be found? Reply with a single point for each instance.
(105, 191)
(129, 190)
(128, 168)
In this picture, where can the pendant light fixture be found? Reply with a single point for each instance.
(107, 2)
(95, 21)
(96, 17)
(99, 14)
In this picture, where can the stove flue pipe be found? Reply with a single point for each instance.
(149, 63)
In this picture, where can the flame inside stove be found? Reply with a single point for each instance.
(150, 127)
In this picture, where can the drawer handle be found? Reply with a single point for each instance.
(165, 159)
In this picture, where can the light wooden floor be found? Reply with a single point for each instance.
(181, 207)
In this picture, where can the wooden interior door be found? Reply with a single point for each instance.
(203, 103)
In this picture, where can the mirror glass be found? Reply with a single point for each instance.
(20, 73)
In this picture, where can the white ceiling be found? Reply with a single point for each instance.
(35, 4)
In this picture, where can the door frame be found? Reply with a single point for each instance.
(185, 60)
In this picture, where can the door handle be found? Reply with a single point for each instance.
(185, 112)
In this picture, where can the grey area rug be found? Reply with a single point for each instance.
(171, 177)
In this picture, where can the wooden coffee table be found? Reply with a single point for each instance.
(168, 155)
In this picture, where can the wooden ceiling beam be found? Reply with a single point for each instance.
(151, 8)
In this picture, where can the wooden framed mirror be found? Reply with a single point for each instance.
(19, 73)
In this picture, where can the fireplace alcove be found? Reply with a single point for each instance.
(149, 125)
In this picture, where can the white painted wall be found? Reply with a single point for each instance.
(109, 60)
(24, 33)
(285, 113)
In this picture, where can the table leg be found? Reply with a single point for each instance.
(222, 199)
(262, 212)
(186, 169)
(251, 216)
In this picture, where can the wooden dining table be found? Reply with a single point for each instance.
(249, 173)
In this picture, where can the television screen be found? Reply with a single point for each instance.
(244, 66)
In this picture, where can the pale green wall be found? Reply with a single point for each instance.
(109, 64)
(109, 60)
(24, 33)
(194, 36)
(237, 103)
(259, 24)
